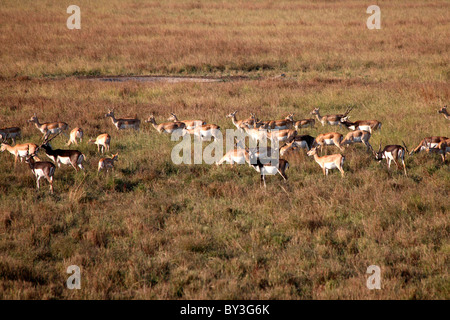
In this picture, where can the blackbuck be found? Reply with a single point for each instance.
(304, 123)
(333, 119)
(70, 157)
(48, 128)
(20, 150)
(298, 142)
(189, 124)
(391, 153)
(283, 124)
(124, 123)
(443, 148)
(358, 136)
(329, 162)
(268, 166)
(206, 132)
(102, 141)
(108, 163)
(76, 133)
(367, 125)
(428, 143)
(10, 133)
(259, 134)
(444, 112)
(167, 127)
(238, 155)
(244, 123)
(41, 169)
(328, 139)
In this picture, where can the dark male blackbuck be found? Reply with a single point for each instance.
(367, 125)
(70, 157)
(391, 153)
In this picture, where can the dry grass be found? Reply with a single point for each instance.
(156, 230)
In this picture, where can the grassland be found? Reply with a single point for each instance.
(155, 230)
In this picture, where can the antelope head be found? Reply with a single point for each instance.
(315, 111)
(110, 113)
(231, 115)
(33, 119)
(172, 117)
(378, 155)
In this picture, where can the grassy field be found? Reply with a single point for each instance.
(155, 230)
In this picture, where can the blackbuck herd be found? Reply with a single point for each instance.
(280, 131)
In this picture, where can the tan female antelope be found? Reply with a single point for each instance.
(48, 128)
(367, 125)
(333, 161)
(167, 127)
(428, 143)
(20, 150)
(205, 132)
(124, 123)
(286, 123)
(392, 153)
(304, 123)
(444, 112)
(282, 135)
(189, 124)
(108, 163)
(76, 133)
(41, 169)
(10, 133)
(102, 141)
(327, 139)
(358, 136)
(242, 124)
(443, 148)
(333, 120)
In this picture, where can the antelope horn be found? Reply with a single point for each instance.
(406, 148)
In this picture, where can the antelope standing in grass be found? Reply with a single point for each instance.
(70, 157)
(102, 141)
(41, 169)
(124, 123)
(327, 139)
(333, 119)
(444, 112)
(167, 127)
(333, 161)
(391, 153)
(286, 123)
(76, 133)
(108, 163)
(242, 124)
(443, 148)
(20, 150)
(48, 128)
(358, 136)
(298, 142)
(189, 124)
(267, 167)
(205, 132)
(304, 123)
(428, 143)
(10, 133)
(367, 125)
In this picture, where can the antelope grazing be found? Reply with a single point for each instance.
(167, 127)
(444, 112)
(428, 143)
(367, 125)
(48, 128)
(205, 132)
(108, 163)
(443, 148)
(41, 169)
(189, 124)
(333, 120)
(302, 141)
(125, 123)
(10, 133)
(327, 139)
(333, 161)
(358, 136)
(20, 150)
(286, 123)
(392, 153)
(76, 133)
(102, 141)
(304, 123)
(69, 157)
(267, 168)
